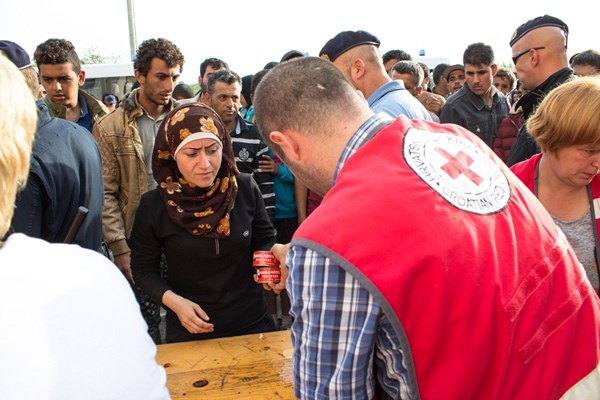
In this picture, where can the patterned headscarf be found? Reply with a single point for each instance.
(202, 211)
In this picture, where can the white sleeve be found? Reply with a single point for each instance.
(72, 328)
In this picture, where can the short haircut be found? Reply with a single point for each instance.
(57, 51)
(426, 71)
(410, 67)
(257, 78)
(223, 75)
(308, 95)
(162, 49)
(18, 122)
(504, 72)
(399, 55)
(183, 91)
(215, 63)
(270, 64)
(438, 72)
(568, 116)
(479, 54)
(587, 57)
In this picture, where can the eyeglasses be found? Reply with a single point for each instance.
(516, 57)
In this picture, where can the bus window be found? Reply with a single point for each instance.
(115, 79)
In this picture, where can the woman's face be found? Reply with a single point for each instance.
(576, 165)
(199, 161)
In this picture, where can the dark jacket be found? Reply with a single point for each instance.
(524, 147)
(65, 173)
(468, 110)
(507, 132)
(214, 273)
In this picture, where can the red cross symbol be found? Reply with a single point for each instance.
(459, 165)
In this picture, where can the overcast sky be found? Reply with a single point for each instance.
(251, 33)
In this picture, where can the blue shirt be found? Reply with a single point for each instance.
(343, 343)
(394, 100)
(85, 118)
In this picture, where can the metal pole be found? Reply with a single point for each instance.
(132, 36)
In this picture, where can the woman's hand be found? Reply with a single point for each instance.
(191, 315)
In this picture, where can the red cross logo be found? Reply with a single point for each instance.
(459, 165)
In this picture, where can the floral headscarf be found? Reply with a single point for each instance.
(202, 211)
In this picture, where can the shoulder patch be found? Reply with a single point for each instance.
(457, 170)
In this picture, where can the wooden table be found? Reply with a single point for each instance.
(256, 366)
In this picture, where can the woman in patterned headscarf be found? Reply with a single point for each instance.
(208, 220)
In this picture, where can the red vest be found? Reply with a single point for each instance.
(465, 262)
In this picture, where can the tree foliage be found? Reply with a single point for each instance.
(93, 56)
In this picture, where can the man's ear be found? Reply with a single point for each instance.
(288, 142)
(205, 98)
(139, 77)
(357, 69)
(81, 78)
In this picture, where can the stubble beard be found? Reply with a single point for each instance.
(313, 179)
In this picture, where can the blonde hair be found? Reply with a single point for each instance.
(32, 81)
(568, 116)
(18, 122)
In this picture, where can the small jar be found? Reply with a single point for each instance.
(267, 267)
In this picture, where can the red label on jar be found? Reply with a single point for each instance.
(264, 259)
(266, 275)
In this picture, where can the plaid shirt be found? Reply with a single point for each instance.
(343, 342)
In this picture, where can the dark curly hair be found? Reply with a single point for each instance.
(163, 49)
(57, 51)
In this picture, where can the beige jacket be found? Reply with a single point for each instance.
(96, 108)
(124, 170)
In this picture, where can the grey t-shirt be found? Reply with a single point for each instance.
(580, 234)
(148, 128)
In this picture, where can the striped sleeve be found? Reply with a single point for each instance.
(337, 330)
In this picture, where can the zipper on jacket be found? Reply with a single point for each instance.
(217, 246)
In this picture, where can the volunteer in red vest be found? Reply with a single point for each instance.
(429, 270)
(564, 176)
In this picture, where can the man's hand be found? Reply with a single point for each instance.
(268, 165)
(432, 102)
(123, 261)
(280, 252)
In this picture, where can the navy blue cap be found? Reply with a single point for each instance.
(109, 99)
(344, 41)
(15, 53)
(538, 22)
(290, 55)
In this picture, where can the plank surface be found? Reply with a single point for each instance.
(256, 366)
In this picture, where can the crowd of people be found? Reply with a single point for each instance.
(437, 230)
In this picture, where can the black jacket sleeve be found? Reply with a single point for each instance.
(146, 248)
(523, 148)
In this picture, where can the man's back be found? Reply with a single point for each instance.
(66, 172)
(473, 298)
(72, 327)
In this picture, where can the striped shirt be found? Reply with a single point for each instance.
(248, 149)
(343, 342)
